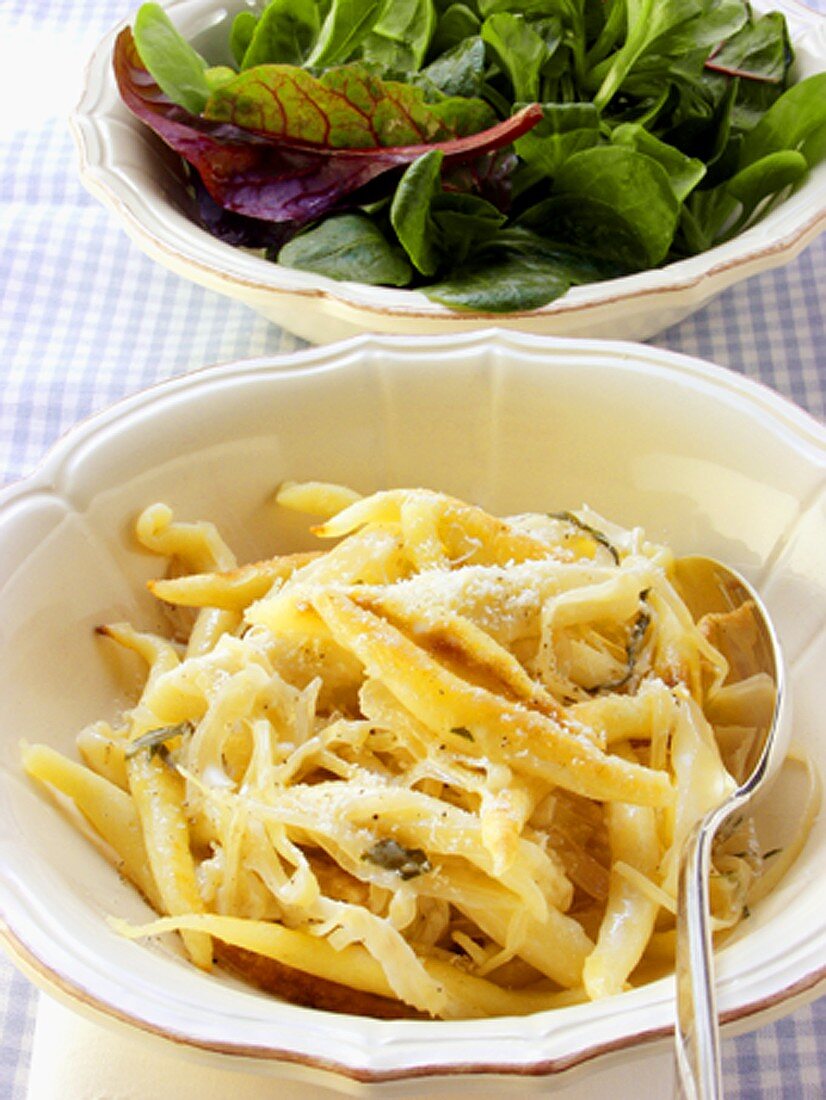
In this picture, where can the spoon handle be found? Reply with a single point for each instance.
(697, 1029)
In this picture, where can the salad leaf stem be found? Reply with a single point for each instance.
(609, 34)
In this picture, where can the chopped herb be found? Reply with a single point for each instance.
(586, 528)
(772, 852)
(155, 740)
(406, 862)
(462, 731)
(633, 648)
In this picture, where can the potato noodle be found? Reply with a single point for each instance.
(442, 765)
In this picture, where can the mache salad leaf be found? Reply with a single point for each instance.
(348, 247)
(178, 69)
(490, 153)
(285, 32)
(399, 39)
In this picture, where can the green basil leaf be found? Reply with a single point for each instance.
(348, 247)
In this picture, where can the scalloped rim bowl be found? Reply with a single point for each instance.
(137, 177)
(737, 472)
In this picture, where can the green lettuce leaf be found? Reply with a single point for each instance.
(565, 129)
(399, 40)
(284, 34)
(348, 247)
(633, 186)
(410, 211)
(347, 24)
(683, 172)
(178, 69)
(519, 50)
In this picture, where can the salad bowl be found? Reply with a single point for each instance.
(144, 183)
(704, 460)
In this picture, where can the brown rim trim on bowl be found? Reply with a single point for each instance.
(43, 975)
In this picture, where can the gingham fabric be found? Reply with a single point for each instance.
(86, 318)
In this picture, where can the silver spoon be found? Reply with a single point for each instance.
(707, 585)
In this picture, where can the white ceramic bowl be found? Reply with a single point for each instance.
(133, 173)
(702, 458)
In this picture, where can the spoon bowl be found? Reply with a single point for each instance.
(710, 588)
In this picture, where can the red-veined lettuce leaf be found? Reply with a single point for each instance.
(348, 107)
(277, 178)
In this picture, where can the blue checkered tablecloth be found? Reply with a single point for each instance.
(86, 318)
